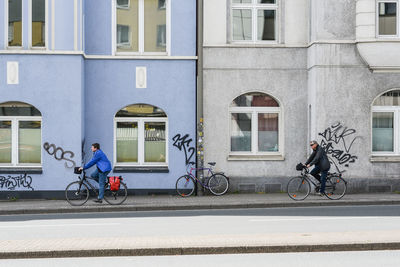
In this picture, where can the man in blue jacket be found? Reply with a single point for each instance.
(102, 170)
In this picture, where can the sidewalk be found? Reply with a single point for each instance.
(201, 244)
(163, 202)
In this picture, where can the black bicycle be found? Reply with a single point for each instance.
(77, 193)
(299, 187)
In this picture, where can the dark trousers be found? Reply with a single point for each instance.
(315, 172)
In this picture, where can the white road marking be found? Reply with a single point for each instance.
(320, 218)
(58, 225)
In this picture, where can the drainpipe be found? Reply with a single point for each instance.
(199, 94)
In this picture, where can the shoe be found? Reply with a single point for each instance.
(321, 194)
(98, 201)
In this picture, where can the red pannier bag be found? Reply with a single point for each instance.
(114, 182)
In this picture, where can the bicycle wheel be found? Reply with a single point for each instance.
(115, 197)
(298, 188)
(335, 187)
(218, 184)
(77, 193)
(185, 186)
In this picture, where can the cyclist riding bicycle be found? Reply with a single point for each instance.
(322, 164)
(103, 169)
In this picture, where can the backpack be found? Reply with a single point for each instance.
(115, 182)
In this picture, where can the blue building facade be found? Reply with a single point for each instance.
(121, 73)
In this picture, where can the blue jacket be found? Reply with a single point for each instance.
(101, 160)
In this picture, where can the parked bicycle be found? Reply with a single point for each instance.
(77, 193)
(217, 183)
(299, 187)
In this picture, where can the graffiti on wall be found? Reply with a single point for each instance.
(12, 182)
(338, 140)
(183, 144)
(60, 155)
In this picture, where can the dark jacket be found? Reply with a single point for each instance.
(319, 159)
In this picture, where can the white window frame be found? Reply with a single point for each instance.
(377, 18)
(396, 129)
(15, 140)
(254, 7)
(30, 17)
(141, 31)
(254, 111)
(140, 122)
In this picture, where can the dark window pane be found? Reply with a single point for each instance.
(391, 98)
(154, 142)
(254, 100)
(266, 25)
(141, 110)
(15, 22)
(387, 18)
(127, 141)
(38, 23)
(268, 132)
(382, 131)
(5, 142)
(18, 109)
(241, 132)
(266, 1)
(29, 142)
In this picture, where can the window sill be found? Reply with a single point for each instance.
(20, 170)
(256, 157)
(385, 158)
(118, 169)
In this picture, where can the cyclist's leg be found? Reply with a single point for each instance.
(315, 172)
(323, 181)
(102, 182)
(95, 175)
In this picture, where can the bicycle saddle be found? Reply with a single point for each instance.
(212, 163)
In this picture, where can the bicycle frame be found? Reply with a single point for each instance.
(85, 180)
(209, 174)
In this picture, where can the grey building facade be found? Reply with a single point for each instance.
(278, 73)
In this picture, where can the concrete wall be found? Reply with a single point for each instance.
(231, 72)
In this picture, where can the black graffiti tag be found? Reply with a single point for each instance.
(339, 135)
(59, 154)
(183, 143)
(12, 182)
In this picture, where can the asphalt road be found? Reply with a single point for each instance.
(342, 259)
(312, 220)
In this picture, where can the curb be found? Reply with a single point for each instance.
(199, 250)
(194, 207)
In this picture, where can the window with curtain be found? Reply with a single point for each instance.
(254, 20)
(141, 136)
(255, 124)
(142, 26)
(386, 124)
(20, 134)
(387, 18)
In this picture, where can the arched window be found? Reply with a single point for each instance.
(141, 136)
(20, 134)
(386, 124)
(255, 124)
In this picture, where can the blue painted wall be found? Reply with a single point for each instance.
(79, 97)
(110, 86)
(53, 84)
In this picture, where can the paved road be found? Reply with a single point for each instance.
(201, 228)
(342, 259)
(205, 222)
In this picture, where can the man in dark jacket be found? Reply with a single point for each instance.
(321, 162)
